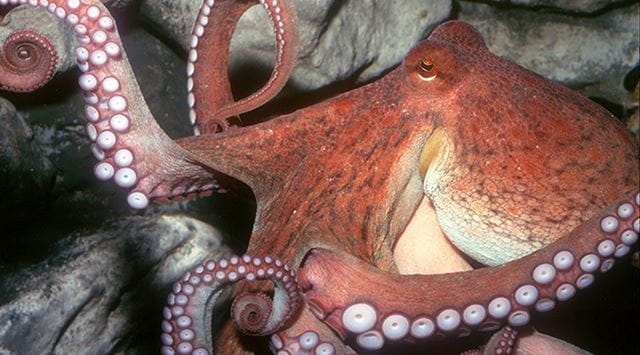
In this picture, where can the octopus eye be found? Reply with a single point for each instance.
(427, 70)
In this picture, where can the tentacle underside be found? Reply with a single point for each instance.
(27, 61)
(210, 99)
(459, 303)
(131, 147)
(502, 342)
(309, 340)
(187, 318)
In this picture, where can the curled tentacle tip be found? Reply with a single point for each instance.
(250, 312)
(27, 62)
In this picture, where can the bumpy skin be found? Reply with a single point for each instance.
(511, 161)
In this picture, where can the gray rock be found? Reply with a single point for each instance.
(577, 6)
(102, 293)
(118, 4)
(589, 54)
(26, 175)
(339, 39)
(162, 77)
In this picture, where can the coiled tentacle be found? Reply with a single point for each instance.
(27, 62)
(186, 328)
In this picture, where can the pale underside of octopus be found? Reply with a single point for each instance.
(456, 148)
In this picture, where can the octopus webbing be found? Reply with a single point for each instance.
(518, 173)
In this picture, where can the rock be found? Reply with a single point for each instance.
(26, 175)
(162, 77)
(577, 6)
(589, 54)
(102, 293)
(338, 39)
(118, 4)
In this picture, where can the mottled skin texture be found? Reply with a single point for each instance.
(529, 160)
(511, 162)
(345, 174)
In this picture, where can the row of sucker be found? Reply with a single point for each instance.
(274, 10)
(106, 105)
(101, 59)
(182, 332)
(307, 343)
(198, 31)
(549, 284)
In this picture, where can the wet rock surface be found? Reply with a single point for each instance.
(338, 39)
(573, 6)
(26, 175)
(102, 292)
(591, 54)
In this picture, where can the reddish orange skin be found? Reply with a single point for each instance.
(525, 150)
(529, 161)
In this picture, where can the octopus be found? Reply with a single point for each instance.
(372, 204)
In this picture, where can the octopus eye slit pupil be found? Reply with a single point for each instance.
(426, 65)
(427, 70)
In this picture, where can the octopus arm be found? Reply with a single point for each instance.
(210, 99)
(130, 146)
(414, 307)
(27, 61)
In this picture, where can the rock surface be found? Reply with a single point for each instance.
(26, 175)
(590, 54)
(578, 6)
(339, 39)
(102, 292)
